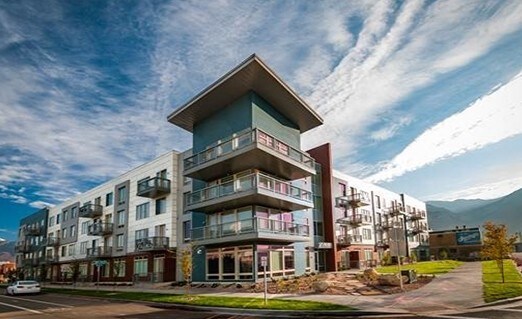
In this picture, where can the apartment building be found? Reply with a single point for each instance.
(357, 222)
(30, 249)
(246, 202)
(128, 223)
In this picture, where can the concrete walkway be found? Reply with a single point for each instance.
(458, 289)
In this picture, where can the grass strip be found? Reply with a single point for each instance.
(493, 288)
(200, 300)
(424, 267)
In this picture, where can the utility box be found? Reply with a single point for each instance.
(411, 274)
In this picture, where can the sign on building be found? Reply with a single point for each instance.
(471, 237)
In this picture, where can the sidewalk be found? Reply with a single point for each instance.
(457, 290)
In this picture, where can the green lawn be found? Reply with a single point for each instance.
(493, 288)
(424, 267)
(213, 301)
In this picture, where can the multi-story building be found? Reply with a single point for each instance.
(247, 200)
(128, 222)
(356, 222)
(30, 247)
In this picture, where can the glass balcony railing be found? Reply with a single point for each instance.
(246, 183)
(152, 243)
(256, 225)
(100, 229)
(96, 252)
(91, 210)
(153, 187)
(243, 140)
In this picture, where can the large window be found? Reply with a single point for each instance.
(119, 268)
(122, 194)
(74, 212)
(83, 248)
(161, 206)
(85, 227)
(71, 249)
(120, 241)
(186, 230)
(73, 231)
(280, 260)
(231, 263)
(120, 218)
(142, 211)
(367, 234)
(65, 215)
(141, 266)
(142, 233)
(51, 221)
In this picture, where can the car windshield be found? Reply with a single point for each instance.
(27, 283)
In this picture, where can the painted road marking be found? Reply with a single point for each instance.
(20, 308)
(40, 301)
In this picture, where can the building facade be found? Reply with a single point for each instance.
(461, 243)
(30, 246)
(245, 202)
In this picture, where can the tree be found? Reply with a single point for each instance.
(74, 268)
(497, 244)
(186, 267)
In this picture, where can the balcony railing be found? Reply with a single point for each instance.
(382, 244)
(51, 259)
(245, 142)
(256, 225)
(417, 229)
(279, 190)
(152, 243)
(52, 241)
(98, 252)
(355, 220)
(153, 187)
(347, 240)
(415, 216)
(384, 225)
(100, 229)
(24, 247)
(35, 230)
(91, 211)
(395, 211)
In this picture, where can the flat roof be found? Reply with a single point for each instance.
(250, 75)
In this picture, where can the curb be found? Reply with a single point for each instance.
(498, 302)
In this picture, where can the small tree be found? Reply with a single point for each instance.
(497, 244)
(186, 267)
(74, 268)
(443, 254)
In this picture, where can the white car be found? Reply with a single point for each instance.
(23, 287)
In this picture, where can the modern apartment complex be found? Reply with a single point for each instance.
(245, 201)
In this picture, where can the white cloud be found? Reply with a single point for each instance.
(488, 120)
(40, 204)
(14, 198)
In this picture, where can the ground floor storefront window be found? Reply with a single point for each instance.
(280, 261)
(229, 263)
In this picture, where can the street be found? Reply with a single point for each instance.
(49, 305)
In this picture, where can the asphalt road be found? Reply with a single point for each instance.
(56, 306)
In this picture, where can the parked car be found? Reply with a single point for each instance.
(23, 287)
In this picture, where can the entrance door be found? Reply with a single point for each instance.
(354, 259)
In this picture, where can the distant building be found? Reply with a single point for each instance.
(30, 247)
(460, 243)
(5, 268)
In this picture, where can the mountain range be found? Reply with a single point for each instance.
(475, 212)
(7, 250)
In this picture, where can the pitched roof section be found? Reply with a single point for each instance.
(251, 75)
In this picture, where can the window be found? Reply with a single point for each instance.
(58, 219)
(342, 189)
(367, 234)
(64, 233)
(65, 215)
(142, 211)
(161, 206)
(108, 199)
(142, 233)
(120, 241)
(119, 268)
(186, 230)
(160, 230)
(120, 218)
(85, 227)
(74, 212)
(122, 194)
(64, 251)
(51, 221)
(83, 248)
(71, 250)
(73, 231)
(378, 201)
(318, 228)
(140, 266)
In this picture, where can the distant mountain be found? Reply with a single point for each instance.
(473, 213)
(7, 251)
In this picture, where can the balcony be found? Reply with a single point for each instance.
(251, 189)
(23, 247)
(152, 243)
(382, 244)
(356, 220)
(36, 230)
(417, 229)
(384, 226)
(251, 230)
(347, 240)
(252, 148)
(51, 259)
(99, 252)
(354, 200)
(153, 187)
(415, 216)
(395, 211)
(91, 211)
(100, 229)
(52, 241)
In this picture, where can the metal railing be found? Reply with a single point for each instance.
(349, 239)
(152, 243)
(35, 230)
(100, 229)
(91, 210)
(249, 226)
(243, 140)
(102, 251)
(153, 184)
(248, 182)
(52, 241)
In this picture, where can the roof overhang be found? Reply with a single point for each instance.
(251, 75)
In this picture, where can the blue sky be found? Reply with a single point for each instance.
(423, 97)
